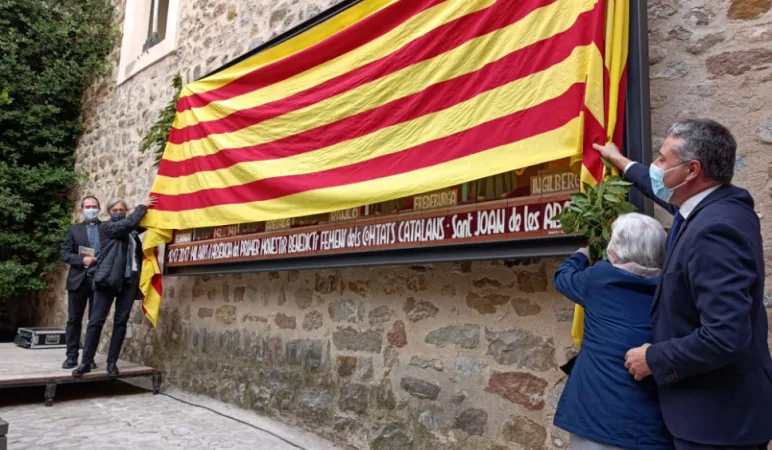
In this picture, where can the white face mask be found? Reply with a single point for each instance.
(91, 213)
(657, 175)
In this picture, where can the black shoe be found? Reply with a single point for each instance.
(70, 363)
(93, 366)
(81, 370)
(112, 370)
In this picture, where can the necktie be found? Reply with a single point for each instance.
(678, 220)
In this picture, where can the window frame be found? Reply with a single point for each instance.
(134, 57)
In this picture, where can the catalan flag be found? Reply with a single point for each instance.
(387, 99)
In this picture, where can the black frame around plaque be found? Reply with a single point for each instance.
(637, 146)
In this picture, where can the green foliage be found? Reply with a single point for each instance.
(592, 212)
(49, 52)
(158, 135)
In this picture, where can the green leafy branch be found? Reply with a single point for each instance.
(158, 135)
(591, 213)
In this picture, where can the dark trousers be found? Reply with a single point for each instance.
(76, 307)
(686, 445)
(103, 300)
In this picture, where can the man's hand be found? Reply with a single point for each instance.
(611, 153)
(89, 261)
(635, 362)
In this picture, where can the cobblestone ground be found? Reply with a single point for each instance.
(113, 416)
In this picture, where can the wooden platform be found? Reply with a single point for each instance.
(43, 367)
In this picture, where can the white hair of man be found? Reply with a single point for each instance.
(638, 239)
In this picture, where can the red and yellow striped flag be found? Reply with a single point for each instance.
(389, 98)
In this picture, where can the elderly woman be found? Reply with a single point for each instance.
(116, 278)
(602, 406)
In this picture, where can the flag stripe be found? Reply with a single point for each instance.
(368, 29)
(308, 38)
(467, 58)
(546, 116)
(363, 54)
(565, 140)
(456, 34)
(441, 110)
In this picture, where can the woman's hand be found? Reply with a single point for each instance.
(586, 252)
(151, 201)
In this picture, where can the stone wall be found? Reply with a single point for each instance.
(442, 356)
(433, 355)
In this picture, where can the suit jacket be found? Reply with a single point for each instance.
(76, 237)
(710, 356)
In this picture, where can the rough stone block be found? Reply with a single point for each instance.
(285, 322)
(472, 421)
(313, 404)
(391, 436)
(522, 348)
(485, 304)
(346, 311)
(419, 310)
(346, 365)
(524, 431)
(305, 352)
(226, 314)
(420, 388)
(354, 397)
(521, 388)
(467, 336)
(524, 307)
(466, 366)
(380, 315)
(532, 281)
(397, 337)
(435, 364)
(303, 298)
(748, 9)
(429, 421)
(313, 321)
(353, 340)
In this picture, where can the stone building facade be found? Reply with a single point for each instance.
(432, 356)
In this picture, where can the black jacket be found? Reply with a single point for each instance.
(76, 237)
(114, 239)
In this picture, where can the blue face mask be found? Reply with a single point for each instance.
(91, 213)
(657, 175)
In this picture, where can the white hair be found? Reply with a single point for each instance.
(116, 200)
(637, 238)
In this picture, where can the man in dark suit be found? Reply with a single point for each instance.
(81, 240)
(710, 357)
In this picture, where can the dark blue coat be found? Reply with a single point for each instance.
(601, 401)
(710, 356)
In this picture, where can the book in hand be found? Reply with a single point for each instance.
(86, 251)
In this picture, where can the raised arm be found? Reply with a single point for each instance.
(122, 228)
(571, 277)
(636, 173)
